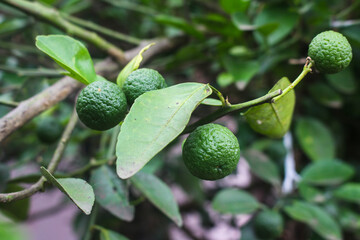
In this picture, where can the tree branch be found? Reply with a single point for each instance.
(10, 197)
(54, 17)
(35, 105)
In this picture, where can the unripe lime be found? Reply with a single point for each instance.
(49, 130)
(268, 224)
(211, 152)
(141, 81)
(330, 51)
(101, 105)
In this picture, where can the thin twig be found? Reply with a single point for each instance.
(9, 103)
(55, 160)
(236, 107)
(54, 17)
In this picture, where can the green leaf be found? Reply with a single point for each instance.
(284, 19)
(311, 194)
(178, 23)
(212, 102)
(224, 79)
(70, 54)
(325, 95)
(10, 231)
(106, 234)
(327, 172)
(12, 25)
(235, 201)
(242, 21)
(79, 191)
(349, 219)
(131, 66)
(262, 166)
(343, 81)
(155, 119)
(315, 139)
(231, 6)
(158, 194)
(273, 119)
(17, 210)
(349, 192)
(111, 193)
(242, 71)
(316, 218)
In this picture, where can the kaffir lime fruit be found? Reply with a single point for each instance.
(48, 130)
(101, 105)
(211, 152)
(268, 224)
(141, 81)
(330, 51)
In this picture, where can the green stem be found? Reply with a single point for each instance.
(228, 109)
(305, 71)
(221, 97)
(39, 72)
(132, 6)
(54, 17)
(91, 165)
(101, 29)
(9, 103)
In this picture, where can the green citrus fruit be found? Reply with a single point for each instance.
(211, 152)
(141, 81)
(101, 105)
(49, 130)
(268, 224)
(330, 51)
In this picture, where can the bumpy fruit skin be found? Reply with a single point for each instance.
(101, 105)
(49, 130)
(141, 81)
(268, 224)
(211, 152)
(330, 51)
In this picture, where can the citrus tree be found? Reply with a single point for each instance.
(235, 63)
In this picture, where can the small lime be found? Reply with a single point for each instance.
(49, 130)
(268, 224)
(211, 152)
(141, 81)
(101, 105)
(330, 51)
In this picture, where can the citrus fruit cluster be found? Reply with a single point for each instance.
(330, 51)
(102, 104)
(211, 152)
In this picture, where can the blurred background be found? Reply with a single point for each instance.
(242, 48)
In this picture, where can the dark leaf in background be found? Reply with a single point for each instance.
(18, 210)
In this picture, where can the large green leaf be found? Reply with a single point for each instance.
(155, 119)
(273, 119)
(159, 194)
(70, 54)
(310, 193)
(316, 218)
(234, 201)
(79, 191)
(131, 66)
(106, 234)
(231, 6)
(111, 193)
(349, 192)
(315, 139)
(327, 172)
(262, 166)
(285, 19)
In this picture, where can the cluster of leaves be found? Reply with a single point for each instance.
(246, 44)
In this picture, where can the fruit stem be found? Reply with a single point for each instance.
(305, 71)
(224, 102)
(232, 108)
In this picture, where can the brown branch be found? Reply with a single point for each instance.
(35, 105)
(10, 197)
